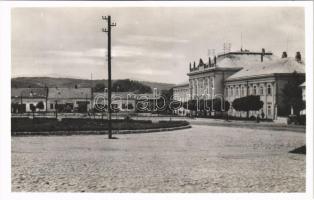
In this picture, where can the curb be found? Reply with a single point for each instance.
(91, 132)
(256, 126)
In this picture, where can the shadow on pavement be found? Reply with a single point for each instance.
(300, 150)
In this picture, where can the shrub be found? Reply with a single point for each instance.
(40, 105)
(248, 103)
(69, 124)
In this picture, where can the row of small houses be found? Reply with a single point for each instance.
(72, 100)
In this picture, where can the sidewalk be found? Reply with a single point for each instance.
(247, 124)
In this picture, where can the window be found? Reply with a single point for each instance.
(51, 106)
(269, 109)
(243, 92)
(254, 90)
(269, 92)
(261, 90)
(231, 91)
(237, 91)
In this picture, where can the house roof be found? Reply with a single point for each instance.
(267, 68)
(124, 96)
(69, 93)
(29, 92)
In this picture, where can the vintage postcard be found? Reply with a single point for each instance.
(149, 98)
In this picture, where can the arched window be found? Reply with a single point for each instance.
(261, 90)
(237, 91)
(269, 92)
(243, 91)
(254, 90)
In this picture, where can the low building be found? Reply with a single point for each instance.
(69, 99)
(267, 80)
(22, 99)
(181, 92)
(121, 101)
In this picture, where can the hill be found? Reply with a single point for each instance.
(20, 82)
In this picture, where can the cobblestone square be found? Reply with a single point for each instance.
(200, 159)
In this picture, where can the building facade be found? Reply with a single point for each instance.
(207, 80)
(22, 99)
(234, 75)
(182, 93)
(69, 99)
(266, 80)
(121, 101)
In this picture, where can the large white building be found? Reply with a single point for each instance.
(237, 74)
(207, 80)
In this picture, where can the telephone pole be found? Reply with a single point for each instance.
(108, 30)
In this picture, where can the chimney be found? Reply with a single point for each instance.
(194, 66)
(284, 55)
(209, 62)
(215, 60)
(190, 67)
(262, 55)
(298, 57)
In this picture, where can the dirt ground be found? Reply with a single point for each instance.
(200, 159)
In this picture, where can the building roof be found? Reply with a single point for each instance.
(69, 93)
(241, 59)
(267, 68)
(234, 61)
(181, 85)
(126, 95)
(29, 92)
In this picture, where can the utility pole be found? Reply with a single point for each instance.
(108, 30)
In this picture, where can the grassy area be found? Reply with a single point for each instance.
(71, 124)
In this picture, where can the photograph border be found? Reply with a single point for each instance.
(5, 90)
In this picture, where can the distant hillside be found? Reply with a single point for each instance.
(71, 82)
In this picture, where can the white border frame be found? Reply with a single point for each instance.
(5, 91)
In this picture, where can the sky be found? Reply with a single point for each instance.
(150, 44)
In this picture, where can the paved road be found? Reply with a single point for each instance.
(200, 159)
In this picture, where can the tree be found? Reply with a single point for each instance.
(127, 85)
(292, 95)
(248, 103)
(202, 105)
(216, 105)
(99, 87)
(40, 105)
(166, 104)
(190, 105)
